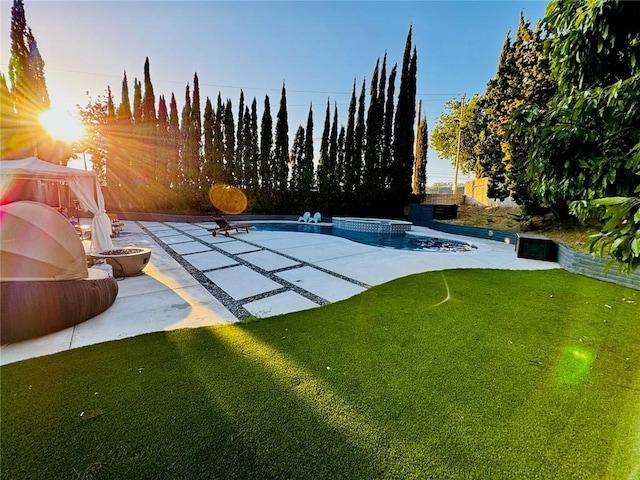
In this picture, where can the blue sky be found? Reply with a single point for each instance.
(316, 48)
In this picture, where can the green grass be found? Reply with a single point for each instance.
(516, 375)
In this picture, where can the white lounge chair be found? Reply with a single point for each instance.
(316, 218)
(305, 218)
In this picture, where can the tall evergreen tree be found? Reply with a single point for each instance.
(7, 119)
(296, 158)
(148, 153)
(240, 146)
(218, 169)
(122, 146)
(29, 93)
(173, 166)
(340, 166)
(533, 88)
(124, 109)
(195, 143)
(324, 163)
(497, 105)
(251, 174)
(372, 188)
(332, 167)
(244, 148)
(149, 100)
(231, 168)
(281, 150)
(185, 139)
(403, 135)
(350, 173)
(266, 156)
(359, 141)
(422, 145)
(208, 128)
(161, 174)
(137, 102)
(387, 144)
(306, 168)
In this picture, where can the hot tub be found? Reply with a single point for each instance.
(372, 225)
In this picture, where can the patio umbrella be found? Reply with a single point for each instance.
(38, 244)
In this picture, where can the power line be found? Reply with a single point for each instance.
(177, 82)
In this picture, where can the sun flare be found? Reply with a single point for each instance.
(62, 125)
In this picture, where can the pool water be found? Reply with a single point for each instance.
(412, 242)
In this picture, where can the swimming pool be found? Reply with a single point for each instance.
(416, 243)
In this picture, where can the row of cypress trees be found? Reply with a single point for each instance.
(163, 160)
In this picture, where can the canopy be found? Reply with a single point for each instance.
(83, 184)
(38, 244)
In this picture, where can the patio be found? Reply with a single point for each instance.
(194, 279)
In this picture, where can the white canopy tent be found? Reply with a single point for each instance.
(84, 186)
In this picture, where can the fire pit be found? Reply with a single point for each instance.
(126, 262)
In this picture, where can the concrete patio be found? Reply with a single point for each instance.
(195, 279)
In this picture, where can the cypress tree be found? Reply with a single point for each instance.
(218, 168)
(161, 174)
(334, 186)
(28, 86)
(387, 149)
(296, 160)
(230, 145)
(266, 155)
(281, 151)
(422, 145)
(148, 153)
(173, 166)
(358, 141)
(350, 172)
(137, 101)
(240, 146)
(195, 140)
(340, 166)
(118, 162)
(185, 138)
(324, 163)
(383, 162)
(124, 109)
(253, 181)
(149, 101)
(7, 119)
(372, 189)
(245, 149)
(138, 176)
(306, 170)
(401, 169)
(208, 127)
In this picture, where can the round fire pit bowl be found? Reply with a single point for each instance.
(126, 262)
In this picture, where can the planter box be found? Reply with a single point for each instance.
(536, 247)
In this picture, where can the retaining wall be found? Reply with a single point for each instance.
(571, 260)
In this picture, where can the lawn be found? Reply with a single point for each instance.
(446, 375)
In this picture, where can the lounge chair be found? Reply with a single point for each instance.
(224, 226)
(305, 217)
(316, 218)
(116, 225)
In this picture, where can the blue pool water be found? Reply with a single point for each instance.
(402, 242)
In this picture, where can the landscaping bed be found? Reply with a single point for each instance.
(509, 218)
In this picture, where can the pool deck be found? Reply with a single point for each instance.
(195, 279)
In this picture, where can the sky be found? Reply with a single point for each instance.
(317, 48)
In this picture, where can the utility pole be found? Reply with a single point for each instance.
(455, 175)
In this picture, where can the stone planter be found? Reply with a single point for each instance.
(126, 262)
